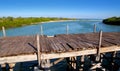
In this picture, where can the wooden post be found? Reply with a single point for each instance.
(114, 65)
(41, 30)
(71, 63)
(46, 65)
(98, 50)
(94, 28)
(57, 61)
(4, 33)
(67, 29)
(114, 54)
(3, 67)
(82, 58)
(74, 62)
(82, 63)
(11, 66)
(38, 50)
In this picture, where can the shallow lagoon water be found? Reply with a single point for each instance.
(54, 28)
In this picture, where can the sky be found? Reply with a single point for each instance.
(60, 8)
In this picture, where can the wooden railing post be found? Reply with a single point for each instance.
(3, 30)
(11, 66)
(67, 29)
(98, 50)
(38, 50)
(41, 30)
(3, 67)
(94, 28)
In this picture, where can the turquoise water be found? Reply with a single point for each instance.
(53, 28)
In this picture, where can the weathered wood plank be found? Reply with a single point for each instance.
(71, 44)
(58, 44)
(63, 43)
(11, 46)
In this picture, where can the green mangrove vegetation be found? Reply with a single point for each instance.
(112, 21)
(11, 22)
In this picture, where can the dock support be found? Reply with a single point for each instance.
(41, 30)
(115, 66)
(73, 59)
(67, 29)
(71, 64)
(98, 60)
(68, 64)
(3, 30)
(11, 66)
(57, 61)
(98, 50)
(3, 67)
(94, 30)
(43, 65)
(82, 59)
(38, 51)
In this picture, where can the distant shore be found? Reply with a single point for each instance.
(57, 21)
(112, 21)
(11, 22)
(45, 22)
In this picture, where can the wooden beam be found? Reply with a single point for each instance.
(3, 67)
(57, 61)
(41, 30)
(98, 51)
(94, 28)
(4, 33)
(98, 65)
(23, 58)
(20, 58)
(38, 50)
(79, 53)
(67, 29)
(11, 66)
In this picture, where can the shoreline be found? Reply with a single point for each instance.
(39, 23)
(52, 21)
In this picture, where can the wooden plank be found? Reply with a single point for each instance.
(73, 39)
(53, 46)
(49, 45)
(58, 44)
(81, 44)
(83, 52)
(20, 58)
(66, 43)
(112, 41)
(6, 48)
(87, 43)
(57, 61)
(33, 47)
(3, 30)
(43, 44)
(38, 50)
(71, 44)
(63, 43)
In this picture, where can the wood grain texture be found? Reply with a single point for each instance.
(23, 45)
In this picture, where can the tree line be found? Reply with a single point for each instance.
(112, 21)
(11, 22)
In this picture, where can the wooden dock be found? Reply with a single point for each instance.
(24, 48)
